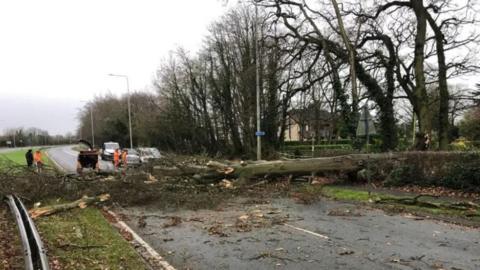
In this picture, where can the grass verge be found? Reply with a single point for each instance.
(345, 193)
(83, 239)
(78, 238)
(15, 160)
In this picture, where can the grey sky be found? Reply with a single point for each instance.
(54, 54)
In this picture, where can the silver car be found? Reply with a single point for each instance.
(133, 158)
(149, 153)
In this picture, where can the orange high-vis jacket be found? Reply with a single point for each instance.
(116, 156)
(124, 157)
(37, 157)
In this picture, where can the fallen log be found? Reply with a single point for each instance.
(243, 170)
(81, 203)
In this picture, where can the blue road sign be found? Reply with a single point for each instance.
(260, 133)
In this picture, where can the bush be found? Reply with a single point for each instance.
(461, 144)
(318, 147)
(406, 175)
(321, 142)
(463, 175)
(451, 170)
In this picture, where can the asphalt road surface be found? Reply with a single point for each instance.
(66, 158)
(324, 235)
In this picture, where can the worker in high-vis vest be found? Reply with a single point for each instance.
(124, 157)
(124, 161)
(116, 158)
(37, 158)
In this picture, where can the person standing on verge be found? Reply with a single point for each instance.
(29, 158)
(37, 157)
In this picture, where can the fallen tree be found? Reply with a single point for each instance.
(422, 165)
(81, 203)
(246, 170)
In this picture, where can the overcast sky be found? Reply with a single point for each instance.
(56, 54)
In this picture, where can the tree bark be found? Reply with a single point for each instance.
(442, 83)
(217, 170)
(351, 56)
(81, 203)
(420, 92)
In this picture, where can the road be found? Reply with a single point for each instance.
(324, 235)
(281, 234)
(66, 158)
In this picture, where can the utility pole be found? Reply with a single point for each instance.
(257, 76)
(91, 123)
(90, 108)
(129, 110)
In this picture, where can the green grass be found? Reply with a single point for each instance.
(346, 193)
(14, 163)
(18, 157)
(341, 193)
(83, 239)
(78, 238)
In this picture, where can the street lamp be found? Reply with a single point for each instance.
(259, 133)
(91, 123)
(128, 101)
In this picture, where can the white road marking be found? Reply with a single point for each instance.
(152, 252)
(307, 231)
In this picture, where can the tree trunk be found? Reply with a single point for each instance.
(351, 56)
(420, 92)
(442, 84)
(216, 170)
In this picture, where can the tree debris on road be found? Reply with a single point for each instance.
(81, 203)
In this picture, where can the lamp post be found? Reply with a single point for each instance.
(257, 84)
(91, 124)
(128, 101)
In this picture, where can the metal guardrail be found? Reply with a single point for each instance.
(34, 252)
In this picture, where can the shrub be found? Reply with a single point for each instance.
(402, 176)
(460, 144)
(463, 175)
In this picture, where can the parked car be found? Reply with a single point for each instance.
(149, 153)
(107, 150)
(133, 157)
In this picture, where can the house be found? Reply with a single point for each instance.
(303, 123)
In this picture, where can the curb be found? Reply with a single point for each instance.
(150, 255)
(54, 163)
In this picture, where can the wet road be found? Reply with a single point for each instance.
(319, 236)
(66, 158)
